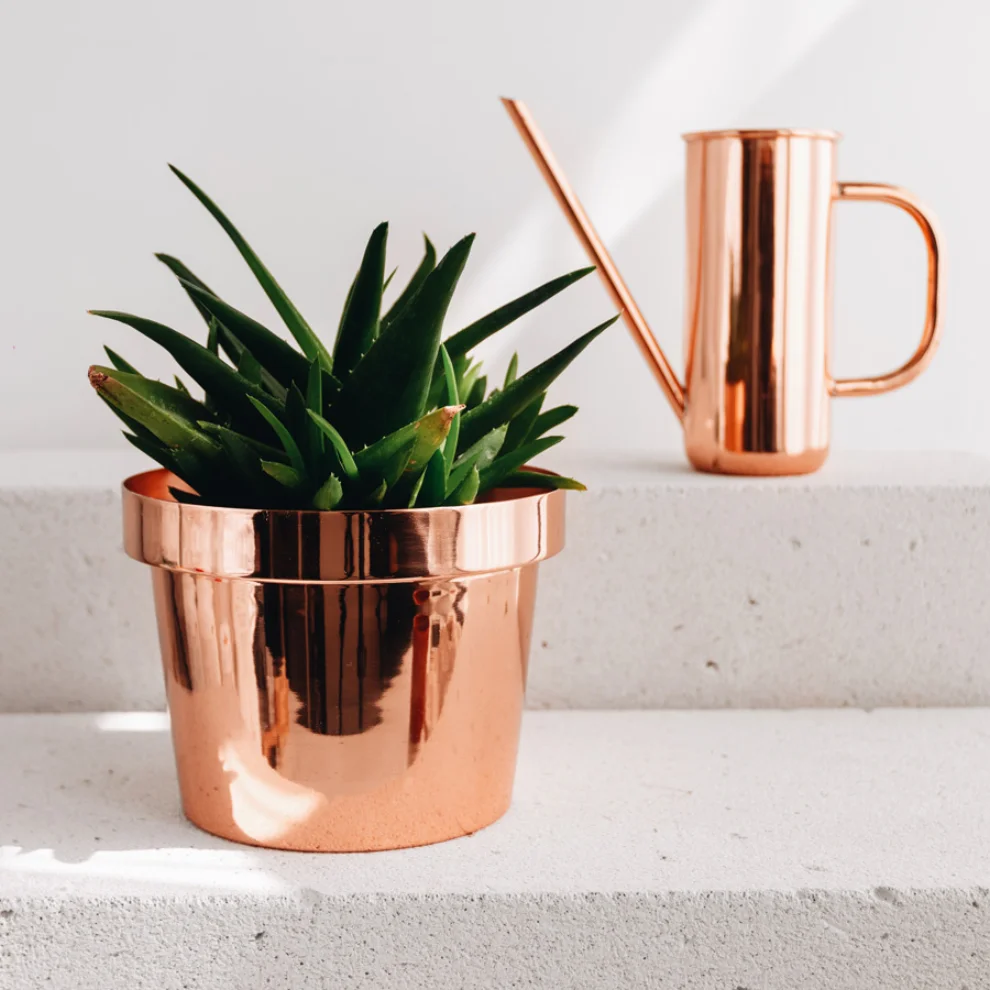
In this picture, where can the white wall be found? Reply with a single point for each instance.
(311, 121)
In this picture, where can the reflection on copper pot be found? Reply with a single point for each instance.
(343, 681)
(758, 305)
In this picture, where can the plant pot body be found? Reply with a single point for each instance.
(343, 681)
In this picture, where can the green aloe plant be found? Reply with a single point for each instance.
(392, 417)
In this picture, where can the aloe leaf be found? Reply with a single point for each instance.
(359, 323)
(521, 425)
(502, 406)
(157, 451)
(132, 424)
(217, 378)
(415, 283)
(421, 439)
(433, 486)
(287, 441)
(550, 420)
(400, 363)
(450, 444)
(511, 371)
(285, 363)
(378, 495)
(314, 404)
(286, 476)
(155, 407)
(329, 494)
(469, 338)
(226, 436)
(467, 491)
(248, 366)
(479, 455)
(537, 479)
(311, 345)
(252, 484)
(468, 378)
(388, 279)
(503, 466)
(344, 455)
(477, 394)
(187, 498)
(187, 278)
(161, 395)
(119, 363)
(181, 385)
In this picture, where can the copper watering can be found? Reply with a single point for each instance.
(757, 328)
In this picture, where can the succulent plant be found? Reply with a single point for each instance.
(391, 418)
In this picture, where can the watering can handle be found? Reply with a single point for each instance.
(916, 364)
(617, 289)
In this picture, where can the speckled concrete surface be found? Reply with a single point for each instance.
(815, 849)
(862, 585)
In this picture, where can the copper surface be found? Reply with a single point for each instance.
(343, 681)
(631, 314)
(758, 302)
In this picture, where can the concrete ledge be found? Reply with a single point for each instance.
(862, 585)
(813, 849)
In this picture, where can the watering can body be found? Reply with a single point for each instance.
(758, 297)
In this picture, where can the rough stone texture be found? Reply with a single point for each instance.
(862, 585)
(815, 849)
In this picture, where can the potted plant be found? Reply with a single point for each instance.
(344, 548)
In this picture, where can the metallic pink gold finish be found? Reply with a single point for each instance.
(758, 309)
(343, 681)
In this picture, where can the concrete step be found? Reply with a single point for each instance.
(732, 849)
(861, 585)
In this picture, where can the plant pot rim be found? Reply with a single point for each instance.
(513, 528)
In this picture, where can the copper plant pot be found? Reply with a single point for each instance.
(343, 681)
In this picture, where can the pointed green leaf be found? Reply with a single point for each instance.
(450, 444)
(511, 371)
(181, 385)
(467, 491)
(421, 439)
(216, 378)
(433, 487)
(539, 479)
(477, 394)
(273, 353)
(187, 278)
(469, 338)
(257, 450)
(329, 494)
(388, 279)
(378, 495)
(400, 362)
(415, 283)
(521, 425)
(119, 363)
(314, 404)
(311, 345)
(502, 406)
(550, 420)
(247, 365)
(286, 476)
(282, 432)
(478, 455)
(160, 409)
(503, 466)
(359, 323)
(155, 450)
(344, 455)
(186, 498)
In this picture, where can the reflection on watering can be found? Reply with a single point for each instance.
(758, 307)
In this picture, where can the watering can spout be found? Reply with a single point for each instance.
(609, 274)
